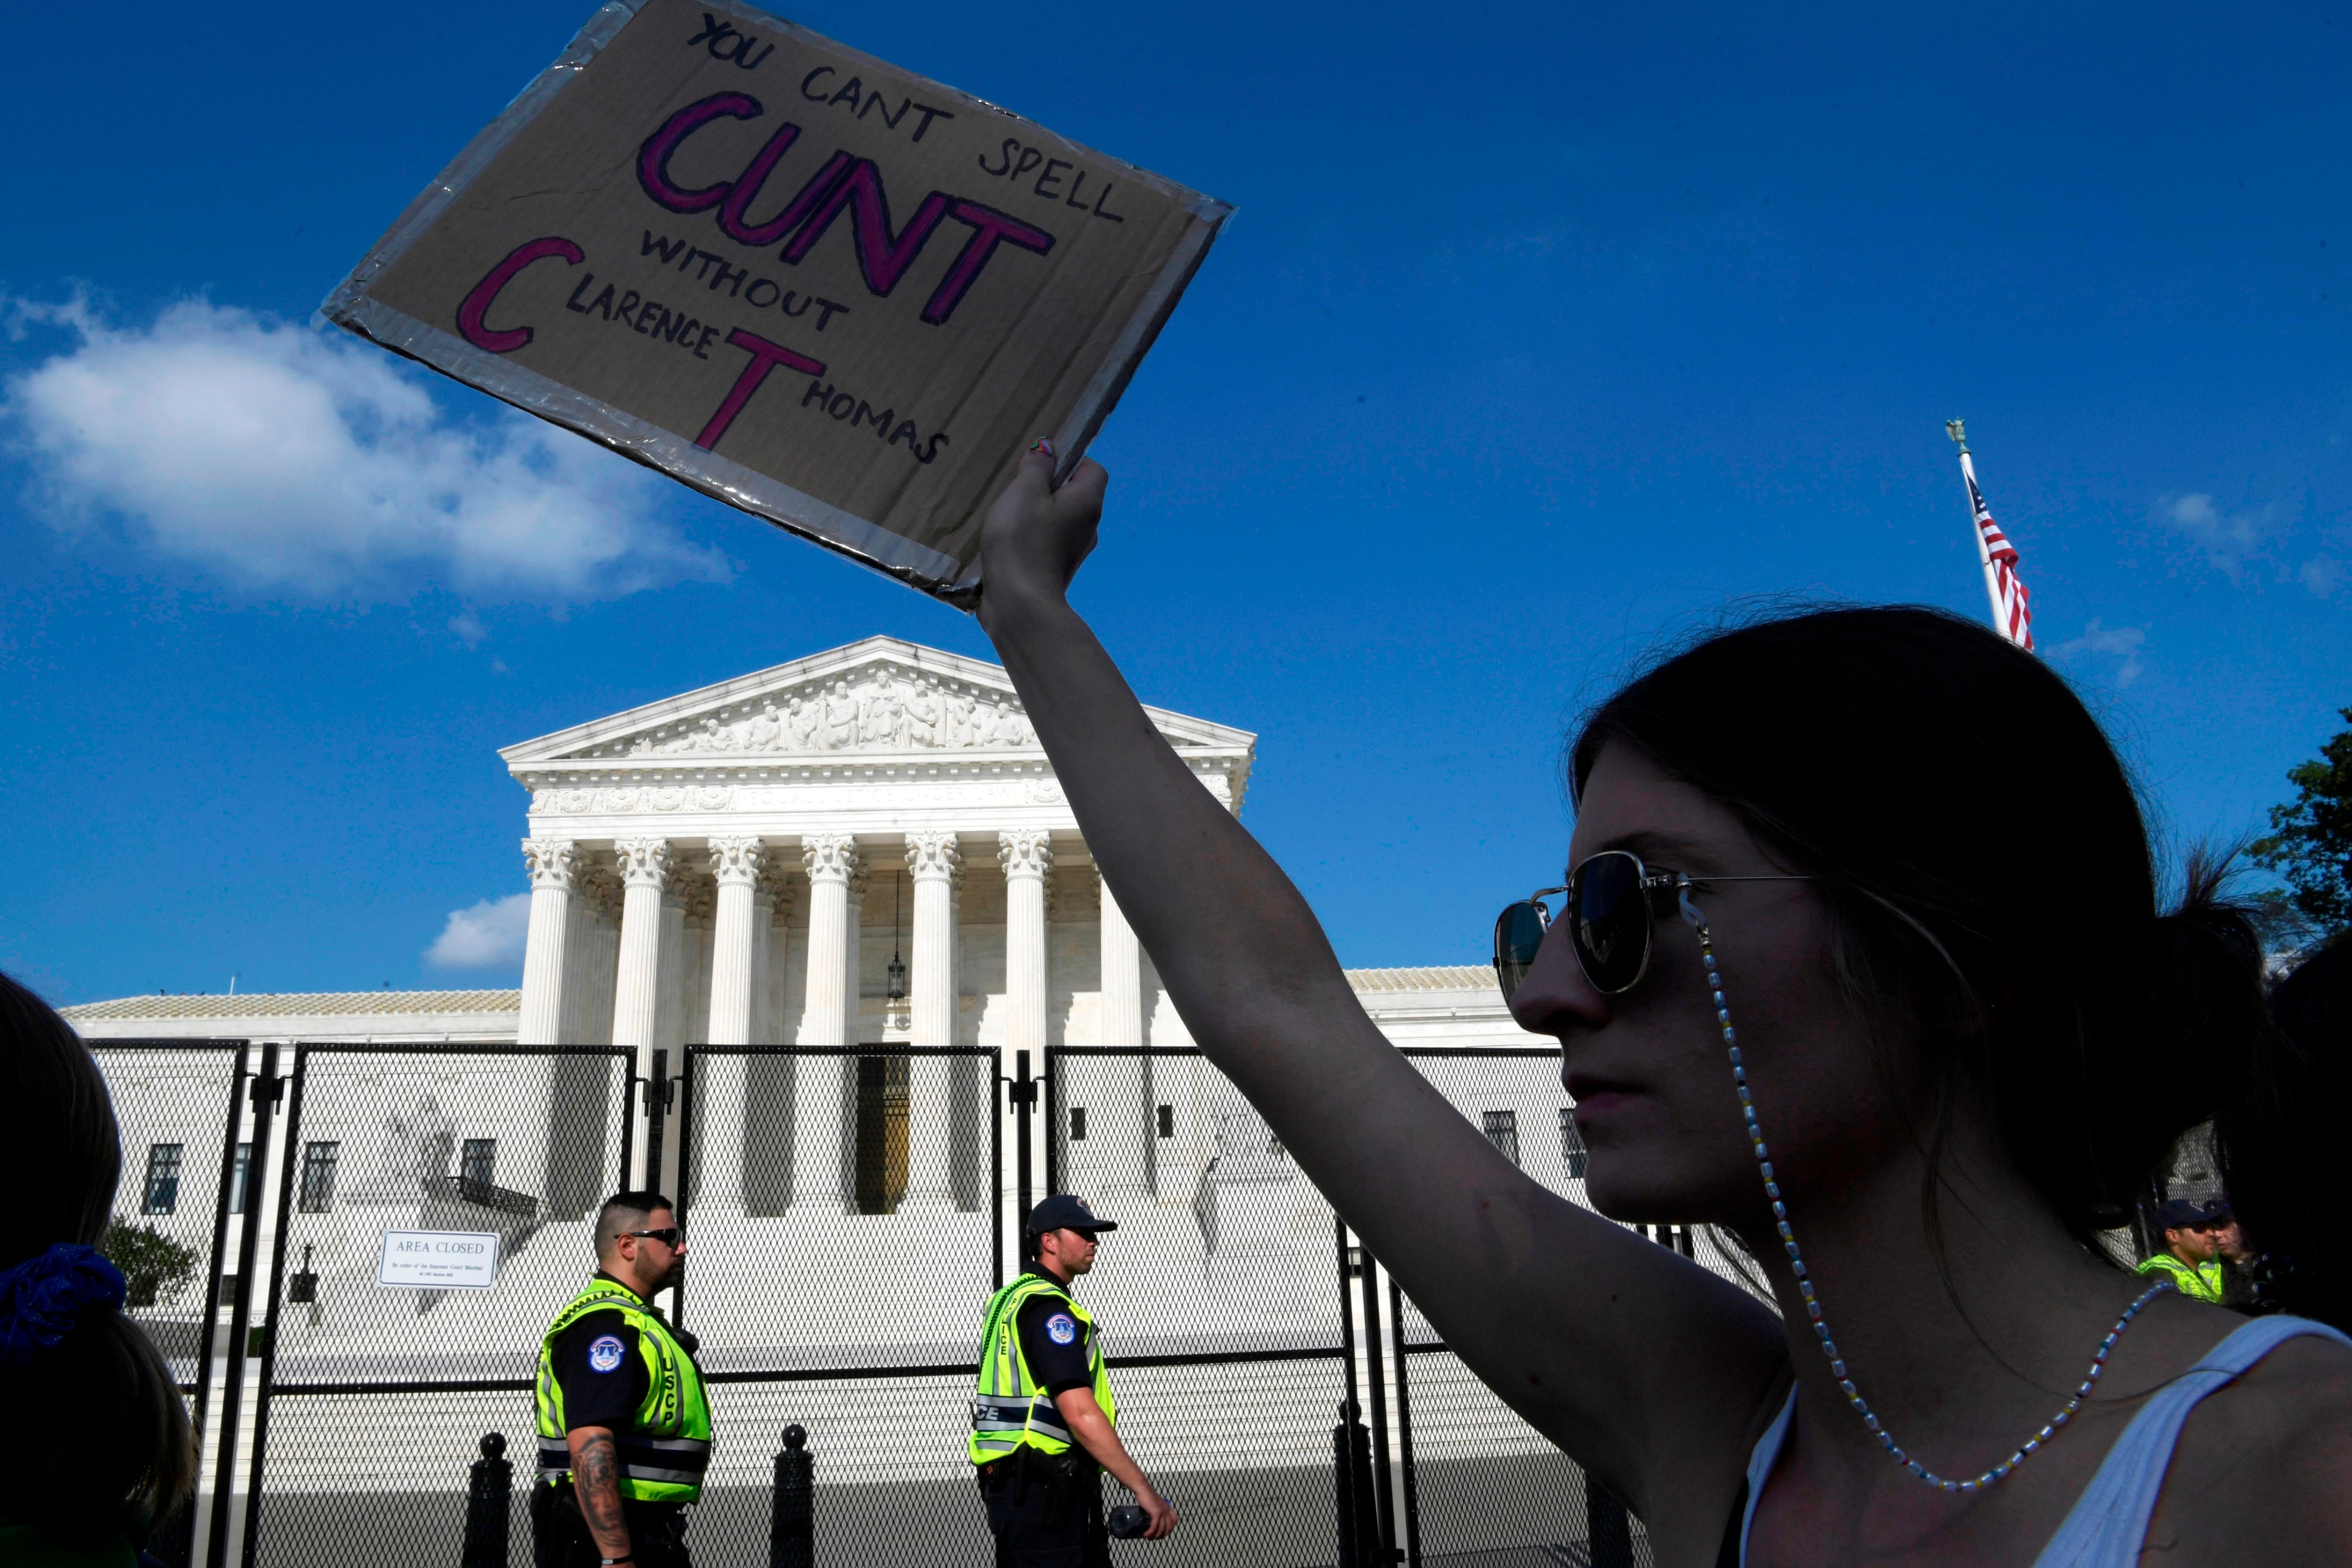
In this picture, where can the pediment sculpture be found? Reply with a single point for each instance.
(885, 712)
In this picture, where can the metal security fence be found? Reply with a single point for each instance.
(846, 1207)
(432, 1208)
(851, 1209)
(1219, 1299)
(180, 1106)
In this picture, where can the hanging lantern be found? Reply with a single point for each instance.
(896, 987)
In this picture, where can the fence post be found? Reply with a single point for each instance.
(792, 1528)
(1351, 1463)
(489, 1492)
(1611, 1543)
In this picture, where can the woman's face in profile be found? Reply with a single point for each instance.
(1647, 1068)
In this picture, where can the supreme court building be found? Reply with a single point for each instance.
(865, 848)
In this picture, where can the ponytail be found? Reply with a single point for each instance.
(2191, 1045)
(2277, 1139)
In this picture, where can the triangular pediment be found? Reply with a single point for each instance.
(881, 696)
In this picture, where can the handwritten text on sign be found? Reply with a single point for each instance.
(702, 196)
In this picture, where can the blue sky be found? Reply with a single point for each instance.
(1532, 343)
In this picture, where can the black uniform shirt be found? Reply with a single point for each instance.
(602, 1374)
(1057, 1343)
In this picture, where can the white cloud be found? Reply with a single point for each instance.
(2321, 573)
(2228, 539)
(469, 628)
(2120, 642)
(286, 459)
(490, 936)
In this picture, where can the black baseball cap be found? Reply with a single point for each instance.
(1065, 1211)
(2180, 1214)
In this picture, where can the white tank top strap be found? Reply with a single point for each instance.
(1759, 1466)
(2108, 1523)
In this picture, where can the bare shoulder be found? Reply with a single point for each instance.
(2264, 1466)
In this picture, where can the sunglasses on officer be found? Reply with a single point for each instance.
(670, 1236)
(1612, 916)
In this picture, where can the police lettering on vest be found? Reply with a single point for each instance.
(667, 1448)
(1012, 1407)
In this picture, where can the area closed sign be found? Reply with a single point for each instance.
(439, 1259)
(818, 288)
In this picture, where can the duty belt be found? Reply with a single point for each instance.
(678, 1461)
(991, 1412)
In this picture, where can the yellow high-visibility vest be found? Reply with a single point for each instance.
(663, 1455)
(1010, 1409)
(2201, 1283)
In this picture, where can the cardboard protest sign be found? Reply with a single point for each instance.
(834, 293)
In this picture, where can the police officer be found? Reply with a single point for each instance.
(1043, 1418)
(2191, 1257)
(624, 1428)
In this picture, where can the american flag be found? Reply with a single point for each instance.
(2012, 615)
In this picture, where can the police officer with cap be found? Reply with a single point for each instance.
(624, 1426)
(2191, 1257)
(1044, 1424)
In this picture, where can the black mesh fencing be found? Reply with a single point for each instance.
(845, 1218)
(421, 1213)
(179, 1110)
(433, 1207)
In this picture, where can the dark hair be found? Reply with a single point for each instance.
(620, 1210)
(2282, 1186)
(1984, 858)
(108, 1440)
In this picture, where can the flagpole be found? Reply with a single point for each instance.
(1957, 431)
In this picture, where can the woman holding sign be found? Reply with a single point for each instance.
(1861, 960)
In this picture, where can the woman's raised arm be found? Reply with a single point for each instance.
(1569, 1317)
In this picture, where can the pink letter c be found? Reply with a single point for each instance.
(653, 158)
(477, 304)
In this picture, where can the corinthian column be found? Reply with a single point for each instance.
(735, 949)
(936, 865)
(553, 865)
(1026, 856)
(1126, 1115)
(740, 931)
(645, 866)
(821, 1120)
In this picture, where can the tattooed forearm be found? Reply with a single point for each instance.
(596, 1482)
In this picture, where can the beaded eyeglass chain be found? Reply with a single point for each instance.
(1697, 922)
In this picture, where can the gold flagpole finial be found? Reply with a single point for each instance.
(1958, 430)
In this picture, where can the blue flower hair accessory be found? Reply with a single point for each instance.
(42, 1298)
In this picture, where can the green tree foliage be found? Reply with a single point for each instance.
(2310, 844)
(155, 1268)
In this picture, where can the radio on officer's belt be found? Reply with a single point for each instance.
(1127, 1521)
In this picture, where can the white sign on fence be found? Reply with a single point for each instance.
(439, 1260)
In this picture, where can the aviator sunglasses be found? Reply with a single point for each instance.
(1611, 914)
(669, 1236)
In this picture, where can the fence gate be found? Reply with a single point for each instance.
(844, 1205)
(372, 1393)
(1219, 1301)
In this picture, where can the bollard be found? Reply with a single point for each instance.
(1611, 1534)
(792, 1528)
(1351, 1463)
(488, 1493)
